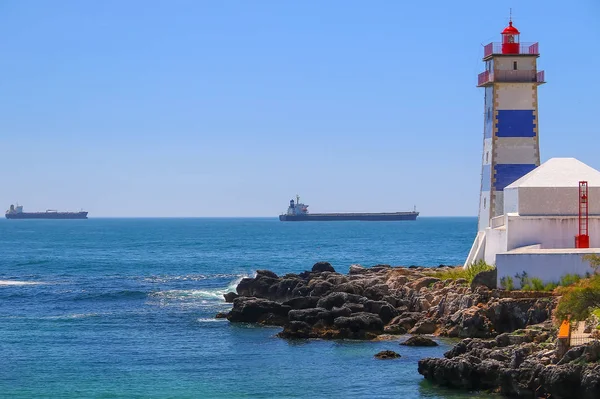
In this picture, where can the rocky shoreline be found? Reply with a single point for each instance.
(523, 364)
(509, 341)
(368, 302)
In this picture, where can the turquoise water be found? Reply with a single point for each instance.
(125, 307)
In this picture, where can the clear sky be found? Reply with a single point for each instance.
(230, 108)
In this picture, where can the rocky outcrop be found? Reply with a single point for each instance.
(368, 302)
(488, 278)
(418, 340)
(387, 355)
(523, 364)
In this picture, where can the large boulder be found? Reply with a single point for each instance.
(419, 340)
(387, 355)
(258, 310)
(310, 316)
(320, 267)
(338, 299)
(302, 302)
(488, 278)
(360, 322)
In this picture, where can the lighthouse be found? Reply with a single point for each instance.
(510, 134)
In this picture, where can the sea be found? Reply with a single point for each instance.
(125, 308)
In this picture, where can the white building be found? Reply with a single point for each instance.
(536, 232)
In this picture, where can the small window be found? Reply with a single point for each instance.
(484, 202)
(515, 65)
(487, 156)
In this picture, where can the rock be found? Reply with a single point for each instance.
(256, 310)
(488, 278)
(387, 355)
(258, 287)
(424, 327)
(418, 340)
(266, 273)
(320, 267)
(407, 320)
(376, 292)
(360, 322)
(338, 299)
(352, 287)
(357, 269)
(590, 383)
(305, 302)
(320, 288)
(310, 316)
(230, 296)
(572, 354)
(221, 315)
(394, 329)
(296, 329)
(385, 311)
(423, 282)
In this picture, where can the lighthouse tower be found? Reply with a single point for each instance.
(510, 134)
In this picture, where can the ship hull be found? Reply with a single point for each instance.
(329, 217)
(47, 215)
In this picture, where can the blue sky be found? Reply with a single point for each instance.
(230, 108)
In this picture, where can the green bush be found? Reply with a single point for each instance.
(569, 279)
(459, 272)
(507, 283)
(579, 299)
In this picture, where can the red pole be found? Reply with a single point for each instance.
(582, 240)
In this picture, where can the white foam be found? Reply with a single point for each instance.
(210, 320)
(15, 282)
(186, 295)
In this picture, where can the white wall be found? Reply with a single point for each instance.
(511, 200)
(495, 242)
(549, 231)
(555, 201)
(548, 267)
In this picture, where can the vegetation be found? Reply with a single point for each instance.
(582, 298)
(462, 273)
(507, 283)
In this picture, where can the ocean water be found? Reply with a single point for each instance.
(113, 308)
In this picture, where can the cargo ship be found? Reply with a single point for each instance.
(17, 213)
(298, 212)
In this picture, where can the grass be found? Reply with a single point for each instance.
(462, 273)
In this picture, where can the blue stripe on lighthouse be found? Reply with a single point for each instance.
(515, 123)
(505, 174)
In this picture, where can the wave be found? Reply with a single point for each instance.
(195, 294)
(186, 277)
(112, 296)
(20, 283)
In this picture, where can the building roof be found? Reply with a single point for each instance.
(559, 172)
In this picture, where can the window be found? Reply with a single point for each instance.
(487, 157)
(515, 65)
(484, 202)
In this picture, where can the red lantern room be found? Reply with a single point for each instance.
(510, 40)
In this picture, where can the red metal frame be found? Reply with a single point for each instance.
(582, 240)
(524, 48)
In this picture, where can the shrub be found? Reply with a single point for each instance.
(459, 272)
(507, 283)
(569, 279)
(579, 299)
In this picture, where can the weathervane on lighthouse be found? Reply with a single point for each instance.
(510, 134)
